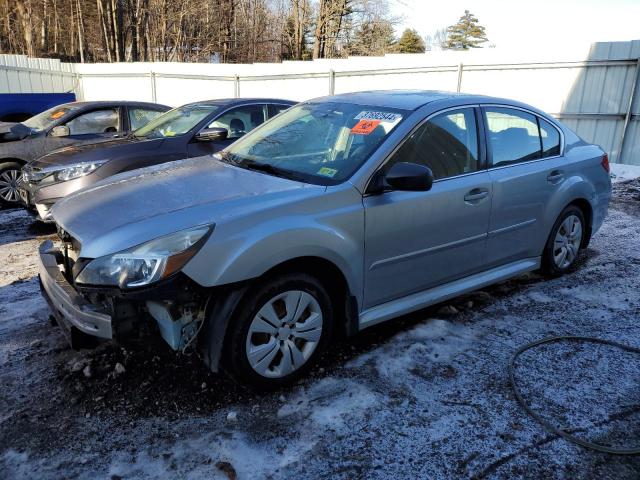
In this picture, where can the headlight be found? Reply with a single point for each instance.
(146, 263)
(74, 171)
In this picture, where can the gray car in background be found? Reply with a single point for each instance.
(192, 130)
(67, 124)
(338, 214)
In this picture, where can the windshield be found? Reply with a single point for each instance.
(175, 122)
(321, 143)
(48, 118)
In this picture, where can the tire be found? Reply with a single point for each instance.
(565, 242)
(10, 173)
(271, 350)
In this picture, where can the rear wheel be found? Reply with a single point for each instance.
(278, 332)
(565, 240)
(10, 173)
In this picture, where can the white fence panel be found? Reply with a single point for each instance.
(597, 94)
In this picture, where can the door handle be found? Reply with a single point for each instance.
(555, 176)
(476, 195)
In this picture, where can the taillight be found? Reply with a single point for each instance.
(605, 162)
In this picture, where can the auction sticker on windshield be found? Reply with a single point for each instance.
(365, 127)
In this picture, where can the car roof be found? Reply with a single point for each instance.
(104, 103)
(409, 99)
(229, 102)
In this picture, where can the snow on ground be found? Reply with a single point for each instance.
(425, 396)
(621, 172)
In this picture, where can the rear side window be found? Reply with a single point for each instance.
(139, 117)
(513, 136)
(550, 139)
(446, 143)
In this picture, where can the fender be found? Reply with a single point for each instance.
(245, 246)
(268, 246)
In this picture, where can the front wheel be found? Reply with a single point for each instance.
(565, 240)
(279, 330)
(10, 173)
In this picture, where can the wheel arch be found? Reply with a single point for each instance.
(587, 210)
(13, 159)
(220, 312)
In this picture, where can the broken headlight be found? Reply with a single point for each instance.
(147, 263)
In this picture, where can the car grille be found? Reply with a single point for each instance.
(32, 174)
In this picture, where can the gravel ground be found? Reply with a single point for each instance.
(426, 396)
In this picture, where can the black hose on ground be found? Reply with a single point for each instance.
(548, 426)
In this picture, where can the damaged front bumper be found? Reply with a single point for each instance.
(175, 305)
(70, 310)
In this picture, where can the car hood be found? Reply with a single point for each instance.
(97, 151)
(133, 207)
(12, 132)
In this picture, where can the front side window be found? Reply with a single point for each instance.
(275, 109)
(176, 122)
(513, 136)
(447, 144)
(241, 120)
(321, 143)
(106, 120)
(139, 117)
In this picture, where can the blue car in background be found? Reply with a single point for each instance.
(17, 107)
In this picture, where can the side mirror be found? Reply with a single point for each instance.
(212, 134)
(60, 131)
(410, 177)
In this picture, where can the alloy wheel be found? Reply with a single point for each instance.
(284, 334)
(9, 180)
(567, 241)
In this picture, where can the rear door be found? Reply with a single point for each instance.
(417, 240)
(89, 126)
(525, 168)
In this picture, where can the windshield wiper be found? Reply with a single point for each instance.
(267, 168)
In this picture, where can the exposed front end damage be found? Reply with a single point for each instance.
(174, 308)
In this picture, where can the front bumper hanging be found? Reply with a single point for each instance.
(70, 309)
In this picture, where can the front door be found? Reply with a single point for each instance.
(237, 121)
(417, 240)
(88, 127)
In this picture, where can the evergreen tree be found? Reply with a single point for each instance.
(466, 34)
(372, 38)
(411, 42)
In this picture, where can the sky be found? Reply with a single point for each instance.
(532, 23)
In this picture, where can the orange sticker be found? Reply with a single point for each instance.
(365, 127)
(57, 114)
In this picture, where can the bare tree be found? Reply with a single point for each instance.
(203, 31)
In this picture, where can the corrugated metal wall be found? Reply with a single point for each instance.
(597, 95)
(20, 74)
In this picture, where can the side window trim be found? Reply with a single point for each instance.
(483, 147)
(126, 121)
(483, 116)
(419, 125)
